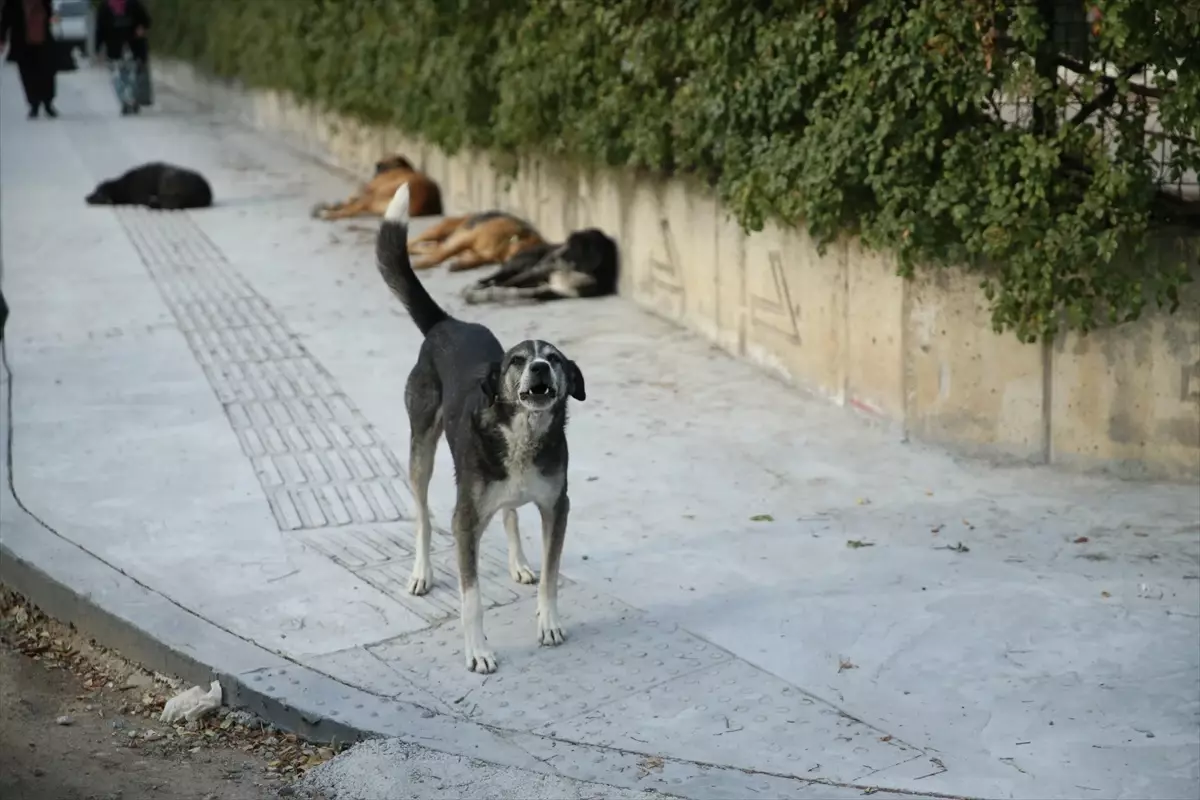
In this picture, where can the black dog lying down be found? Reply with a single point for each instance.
(155, 185)
(586, 265)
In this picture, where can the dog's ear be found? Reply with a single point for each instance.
(489, 384)
(575, 384)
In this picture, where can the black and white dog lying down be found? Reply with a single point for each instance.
(504, 415)
(586, 265)
(155, 185)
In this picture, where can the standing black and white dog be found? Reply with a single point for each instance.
(504, 414)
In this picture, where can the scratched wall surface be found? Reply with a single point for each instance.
(919, 355)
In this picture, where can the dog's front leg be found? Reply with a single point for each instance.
(518, 565)
(468, 528)
(554, 533)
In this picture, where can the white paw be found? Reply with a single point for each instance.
(522, 573)
(481, 660)
(550, 630)
(421, 579)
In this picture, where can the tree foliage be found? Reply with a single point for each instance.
(1029, 141)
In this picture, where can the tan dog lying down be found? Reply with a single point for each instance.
(490, 237)
(373, 198)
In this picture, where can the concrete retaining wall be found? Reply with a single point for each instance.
(919, 355)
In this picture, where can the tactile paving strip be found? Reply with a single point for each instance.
(319, 461)
(736, 714)
(382, 555)
(623, 680)
(611, 652)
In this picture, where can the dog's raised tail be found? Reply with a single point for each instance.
(391, 253)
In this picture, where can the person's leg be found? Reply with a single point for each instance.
(29, 82)
(47, 77)
(131, 70)
(145, 92)
(51, 83)
(122, 85)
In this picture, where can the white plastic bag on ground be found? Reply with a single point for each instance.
(192, 704)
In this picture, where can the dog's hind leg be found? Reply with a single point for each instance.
(423, 398)
(356, 207)
(468, 528)
(470, 260)
(554, 534)
(447, 249)
(518, 565)
(435, 233)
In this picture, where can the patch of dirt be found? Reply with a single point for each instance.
(81, 723)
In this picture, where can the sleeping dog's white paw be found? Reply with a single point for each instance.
(421, 579)
(481, 660)
(550, 629)
(522, 573)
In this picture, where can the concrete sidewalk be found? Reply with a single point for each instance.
(765, 596)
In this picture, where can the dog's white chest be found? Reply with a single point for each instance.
(521, 488)
(525, 482)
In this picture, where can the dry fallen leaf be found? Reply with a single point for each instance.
(845, 664)
(1105, 594)
(1081, 540)
(762, 518)
(854, 544)
(649, 764)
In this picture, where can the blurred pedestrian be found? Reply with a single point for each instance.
(25, 26)
(121, 27)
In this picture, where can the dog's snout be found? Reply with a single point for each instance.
(539, 369)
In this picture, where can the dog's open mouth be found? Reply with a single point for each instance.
(540, 392)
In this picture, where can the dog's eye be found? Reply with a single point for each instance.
(517, 361)
(553, 358)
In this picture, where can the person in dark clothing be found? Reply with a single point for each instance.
(122, 25)
(25, 26)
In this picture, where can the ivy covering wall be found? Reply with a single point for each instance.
(1038, 143)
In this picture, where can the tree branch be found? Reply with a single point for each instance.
(1105, 98)
(1080, 68)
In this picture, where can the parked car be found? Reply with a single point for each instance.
(72, 24)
